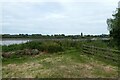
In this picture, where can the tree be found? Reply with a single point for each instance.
(114, 27)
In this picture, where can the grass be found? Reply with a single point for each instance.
(56, 59)
(68, 64)
(48, 46)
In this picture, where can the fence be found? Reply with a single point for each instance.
(108, 54)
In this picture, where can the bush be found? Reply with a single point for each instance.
(51, 47)
(54, 48)
(47, 46)
(33, 45)
(11, 47)
(44, 46)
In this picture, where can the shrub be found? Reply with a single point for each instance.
(51, 47)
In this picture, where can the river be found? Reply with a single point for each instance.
(13, 41)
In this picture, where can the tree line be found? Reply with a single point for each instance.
(58, 36)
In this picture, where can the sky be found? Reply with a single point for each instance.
(70, 17)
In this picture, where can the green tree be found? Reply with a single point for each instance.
(114, 27)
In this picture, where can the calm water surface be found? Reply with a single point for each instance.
(13, 41)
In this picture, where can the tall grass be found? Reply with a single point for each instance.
(48, 46)
(51, 46)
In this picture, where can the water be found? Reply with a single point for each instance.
(13, 41)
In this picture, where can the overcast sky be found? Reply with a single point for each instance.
(56, 16)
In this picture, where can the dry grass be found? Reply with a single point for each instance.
(56, 66)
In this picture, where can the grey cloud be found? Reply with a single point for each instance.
(55, 17)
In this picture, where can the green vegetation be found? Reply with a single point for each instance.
(114, 27)
(55, 36)
(55, 59)
(49, 46)
(101, 43)
(36, 47)
(41, 46)
(68, 64)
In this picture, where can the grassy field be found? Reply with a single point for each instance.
(67, 62)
